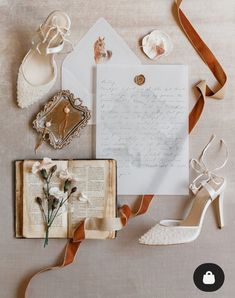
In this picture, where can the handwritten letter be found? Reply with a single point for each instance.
(144, 127)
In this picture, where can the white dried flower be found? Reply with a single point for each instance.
(56, 192)
(45, 164)
(65, 175)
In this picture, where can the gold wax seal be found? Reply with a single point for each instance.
(139, 79)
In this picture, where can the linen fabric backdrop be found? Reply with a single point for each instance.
(120, 267)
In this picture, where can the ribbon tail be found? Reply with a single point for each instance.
(79, 235)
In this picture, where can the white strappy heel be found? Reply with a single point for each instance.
(38, 71)
(207, 187)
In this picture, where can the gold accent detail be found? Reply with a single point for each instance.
(139, 79)
(64, 126)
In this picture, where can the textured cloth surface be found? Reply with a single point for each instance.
(120, 267)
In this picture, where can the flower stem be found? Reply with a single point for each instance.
(48, 216)
(50, 222)
(54, 216)
(46, 236)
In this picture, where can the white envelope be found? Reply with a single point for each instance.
(79, 67)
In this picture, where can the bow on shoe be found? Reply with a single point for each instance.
(206, 174)
(53, 31)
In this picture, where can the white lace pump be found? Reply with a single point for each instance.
(207, 187)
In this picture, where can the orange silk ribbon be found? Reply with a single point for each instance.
(79, 235)
(210, 60)
(125, 211)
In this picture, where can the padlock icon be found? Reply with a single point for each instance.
(208, 278)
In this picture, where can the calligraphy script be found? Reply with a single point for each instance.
(143, 127)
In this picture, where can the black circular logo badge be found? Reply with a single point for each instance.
(208, 277)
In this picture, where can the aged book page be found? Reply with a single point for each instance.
(97, 181)
(33, 224)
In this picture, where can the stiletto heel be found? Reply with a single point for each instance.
(207, 187)
(219, 204)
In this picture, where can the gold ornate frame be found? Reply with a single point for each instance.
(64, 110)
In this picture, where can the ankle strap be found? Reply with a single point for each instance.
(206, 174)
(43, 35)
(37, 43)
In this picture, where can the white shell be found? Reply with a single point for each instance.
(157, 44)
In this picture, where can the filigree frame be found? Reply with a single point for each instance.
(47, 134)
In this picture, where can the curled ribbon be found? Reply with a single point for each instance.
(210, 60)
(79, 234)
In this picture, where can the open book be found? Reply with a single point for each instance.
(95, 178)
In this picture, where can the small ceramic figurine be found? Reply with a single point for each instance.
(157, 44)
